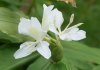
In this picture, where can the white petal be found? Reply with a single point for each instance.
(24, 25)
(73, 34)
(36, 29)
(47, 17)
(79, 35)
(31, 28)
(57, 18)
(53, 29)
(46, 8)
(35, 22)
(43, 49)
(25, 49)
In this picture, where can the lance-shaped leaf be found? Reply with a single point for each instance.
(9, 25)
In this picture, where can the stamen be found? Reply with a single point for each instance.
(71, 20)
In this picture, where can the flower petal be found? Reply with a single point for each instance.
(53, 29)
(43, 49)
(24, 25)
(36, 29)
(57, 21)
(25, 49)
(73, 34)
(35, 23)
(46, 8)
(31, 28)
(57, 18)
(47, 17)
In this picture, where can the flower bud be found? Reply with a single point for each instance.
(57, 52)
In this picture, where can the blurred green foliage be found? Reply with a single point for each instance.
(76, 56)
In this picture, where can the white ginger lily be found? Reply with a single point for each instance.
(34, 29)
(69, 33)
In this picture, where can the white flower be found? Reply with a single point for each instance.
(69, 33)
(34, 29)
(47, 16)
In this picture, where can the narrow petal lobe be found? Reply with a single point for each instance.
(57, 18)
(43, 49)
(25, 49)
(47, 17)
(24, 25)
(73, 34)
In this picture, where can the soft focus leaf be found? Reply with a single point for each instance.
(9, 25)
(97, 67)
(39, 64)
(58, 66)
(7, 60)
(81, 52)
(11, 4)
(69, 65)
(43, 64)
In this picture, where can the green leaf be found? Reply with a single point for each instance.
(96, 67)
(82, 52)
(76, 56)
(9, 25)
(39, 64)
(69, 65)
(44, 64)
(72, 64)
(80, 56)
(8, 62)
(11, 4)
(58, 66)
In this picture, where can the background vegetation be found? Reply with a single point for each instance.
(77, 56)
